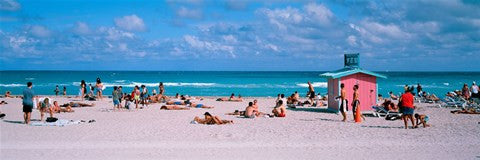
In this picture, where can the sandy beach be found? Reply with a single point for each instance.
(306, 133)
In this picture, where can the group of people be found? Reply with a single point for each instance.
(45, 104)
(357, 116)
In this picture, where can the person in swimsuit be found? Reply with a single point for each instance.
(250, 111)
(196, 105)
(161, 89)
(279, 110)
(173, 107)
(83, 90)
(344, 102)
(57, 90)
(77, 104)
(45, 105)
(210, 120)
(99, 87)
(356, 104)
(136, 96)
(58, 109)
(144, 96)
(422, 119)
(311, 93)
(466, 91)
(475, 90)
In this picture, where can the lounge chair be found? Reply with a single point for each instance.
(382, 112)
(451, 102)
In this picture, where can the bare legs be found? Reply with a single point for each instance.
(26, 117)
(344, 116)
(405, 120)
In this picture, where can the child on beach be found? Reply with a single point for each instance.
(115, 98)
(422, 119)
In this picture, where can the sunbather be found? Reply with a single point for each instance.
(174, 107)
(77, 104)
(422, 119)
(232, 98)
(236, 113)
(196, 105)
(209, 119)
(58, 109)
(393, 96)
(465, 111)
(250, 111)
(279, 110)
(176, 103)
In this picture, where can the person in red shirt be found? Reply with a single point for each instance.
(406, 101)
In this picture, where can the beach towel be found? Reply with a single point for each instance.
(60, 123)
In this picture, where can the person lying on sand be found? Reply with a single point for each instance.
(279, 110)
(3, 102)
(432, 97)
(236, 113)
(77, 104)
(209, 119)
(58, 109)
(196, 105)
(7, 95)
(173, 107)
(422, 119)
(232, 98)
(176, 103)
(465, 111)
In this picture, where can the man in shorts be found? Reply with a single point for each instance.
(27, 102)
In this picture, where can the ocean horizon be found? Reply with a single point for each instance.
(223, 83)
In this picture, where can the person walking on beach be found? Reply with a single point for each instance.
(474, 90)
(99, 87)
(161, 89)
(311, 92)
(344, 102)
(64, 91)
(407, 107)
(357, 115)
(57, 90)
(120, 96)
(27, 102)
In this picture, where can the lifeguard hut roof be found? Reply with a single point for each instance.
(348, 71)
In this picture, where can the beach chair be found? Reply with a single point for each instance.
(382, 112)
(451, 102)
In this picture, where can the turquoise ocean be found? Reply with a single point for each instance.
(222, 83)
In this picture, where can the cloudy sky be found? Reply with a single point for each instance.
(436, 35)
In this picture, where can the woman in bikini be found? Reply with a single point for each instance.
(209, 119)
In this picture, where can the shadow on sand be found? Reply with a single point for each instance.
(387, 127)
(19, 122)
(312, 109)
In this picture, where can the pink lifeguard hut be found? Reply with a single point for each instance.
(350, 75)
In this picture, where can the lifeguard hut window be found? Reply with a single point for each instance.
(352, 60)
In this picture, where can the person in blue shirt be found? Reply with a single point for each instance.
(28, 95)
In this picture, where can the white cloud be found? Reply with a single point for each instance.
(352, 40)
(81, 28)
(130, 23)
(9, 5)
(115, 34)
(184, 12)
(40, 31)
(320, 13)
(229, 38)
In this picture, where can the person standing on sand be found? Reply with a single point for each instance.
(311, 92)
(64, 91)
(344, 102)
(57, 90)
(115, 98)
(419, 88)
(406, 101)
(27, 102)
(99, 87)
(465, 92)
(474, 90)
(356, 105)
(161, 89)
(83, 89)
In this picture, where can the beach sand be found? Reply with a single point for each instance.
(304, 134)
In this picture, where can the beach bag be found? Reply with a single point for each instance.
(51, 119)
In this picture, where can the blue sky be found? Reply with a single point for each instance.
(436, 35)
